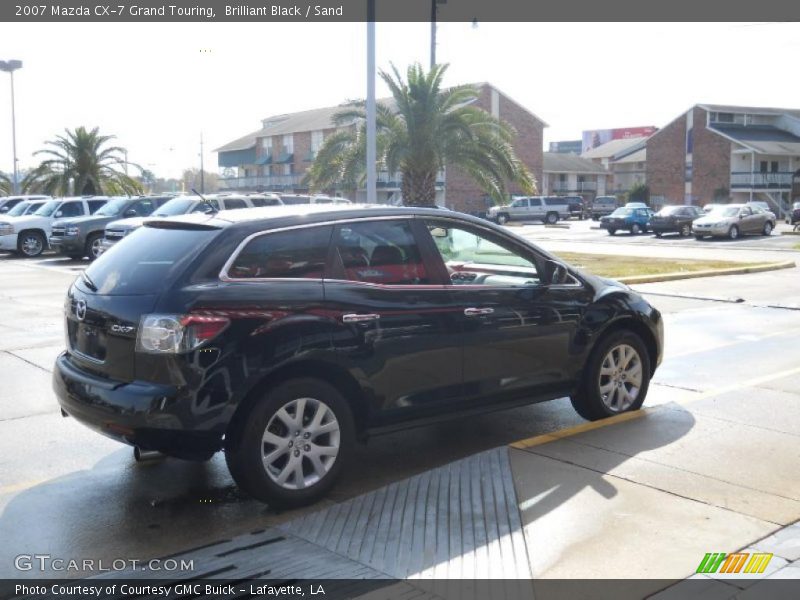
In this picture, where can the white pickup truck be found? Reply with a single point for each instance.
(28, 234)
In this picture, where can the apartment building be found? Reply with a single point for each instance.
(277, 156)
(569, 174)
(624, 159)
(719, 153)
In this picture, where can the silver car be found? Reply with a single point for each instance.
(732, 221)
(548, 209)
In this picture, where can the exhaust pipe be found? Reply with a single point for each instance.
(142, 456)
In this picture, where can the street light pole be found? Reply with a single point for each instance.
(434, 11)
(202, 171)
(372, 192)
(9, 67)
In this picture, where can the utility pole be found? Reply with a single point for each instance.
(9, 66)
(434, 11)
(202, 171)
(372, 193)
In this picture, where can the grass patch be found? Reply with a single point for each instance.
(612, 265)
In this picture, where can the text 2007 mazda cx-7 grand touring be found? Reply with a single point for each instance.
(284, 335)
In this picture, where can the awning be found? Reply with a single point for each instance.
(264, 160)
(285, 158)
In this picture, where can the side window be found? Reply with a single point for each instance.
(295, 254)
(520, 203)
(383, 252)
(143, 208)
(258, 202)
(746, 211)
(536, 202)
(233, 203)
(475, 257)
(95, 205)
(202, 207)
(71, 209)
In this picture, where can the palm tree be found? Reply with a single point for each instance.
(426, 129)
(5, 185)
(81, 163)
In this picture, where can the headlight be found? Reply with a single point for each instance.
(73, 230)
(6, 228)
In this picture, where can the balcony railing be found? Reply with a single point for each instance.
(759, 180)
(263, 182)
(580, 186)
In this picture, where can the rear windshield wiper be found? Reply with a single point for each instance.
(88, 281)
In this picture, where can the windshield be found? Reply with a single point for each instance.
(724, 211)
(18, 210)
(668, 210)
(112, 208)
(176, 206)
(622, 212)
(48, 208)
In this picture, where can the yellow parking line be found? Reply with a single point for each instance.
(546, 438)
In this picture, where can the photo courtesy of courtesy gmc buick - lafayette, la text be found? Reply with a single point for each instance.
(284, 335)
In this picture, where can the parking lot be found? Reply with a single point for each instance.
(70, 492)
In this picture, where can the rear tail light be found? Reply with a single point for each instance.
(176, 334)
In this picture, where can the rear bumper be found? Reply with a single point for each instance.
(151, 416)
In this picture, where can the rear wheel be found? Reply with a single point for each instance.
(635, 229)
(31, 244)
(612, 231)
(733, 232)
(686, 230)
(698, 237)
(551, 218)
(616, 377)
(94, 246)
(502, 218)
(767, 228)
(658, 234)
(292, 446)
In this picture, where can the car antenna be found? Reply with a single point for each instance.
(205, 201)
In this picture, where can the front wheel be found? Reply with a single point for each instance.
(502, 219)
(31, 244)
(686, 230)
(612, 231)
(292, 446)
(551, 218)
(616, 377)
(635, 229)
(767, 228)
(94, 246)
(658, 234)
(733, 232)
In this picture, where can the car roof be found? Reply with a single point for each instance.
(298, 214)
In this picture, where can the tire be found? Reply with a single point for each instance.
(635, 229)
(733, 232)
(502, 219)
(92, 248)
(612, 231)
(31, 244)
(686, 230)
(551, 218)
(595, 218)
(658, 234)
(698, 237)
(598, 396)
(75, 256)
(767, 228)
(245, 445)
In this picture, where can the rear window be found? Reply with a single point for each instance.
(147, 259)
(555, 201)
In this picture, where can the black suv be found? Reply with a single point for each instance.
(283, 336)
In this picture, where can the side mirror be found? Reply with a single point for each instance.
(131, 213)
(555, 273)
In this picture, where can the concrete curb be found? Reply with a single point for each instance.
(790, 232)
(789, 264)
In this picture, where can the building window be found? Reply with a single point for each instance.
(725, 117)
(317, 138)
(288, 143)
(288, 168)
(266, 144)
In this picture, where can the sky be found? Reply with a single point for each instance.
(156, 87)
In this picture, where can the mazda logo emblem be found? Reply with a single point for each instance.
(80, 310)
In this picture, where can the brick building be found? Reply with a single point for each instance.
(277, 156)
(716, 153)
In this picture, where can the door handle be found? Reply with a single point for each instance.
(476, 312)
(356, 318)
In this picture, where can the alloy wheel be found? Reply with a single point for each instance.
(31, 245)
(300, 443)
(686, 230)
(620, 378)
(96, 249)
(767, 228)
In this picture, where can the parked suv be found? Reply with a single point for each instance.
(577, 206)
(9, 202)
(83, 236)
(603, 205)
(181, 205)
(284, 338)
(548, 209)
(28, 234)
